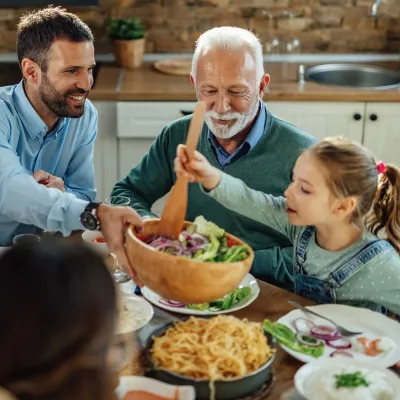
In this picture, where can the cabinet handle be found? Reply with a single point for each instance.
(186, 112)
(373, 117)
(357, 116)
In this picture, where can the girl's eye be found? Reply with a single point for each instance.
(305, 191)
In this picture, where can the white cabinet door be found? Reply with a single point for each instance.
(146, 119)
(105, 149)
(322, 119)
(382, 131)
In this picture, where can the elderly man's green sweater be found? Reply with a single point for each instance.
(267, 167)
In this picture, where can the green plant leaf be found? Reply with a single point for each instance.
(125, 28)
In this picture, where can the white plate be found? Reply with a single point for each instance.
(140, 383)
(248, 280)
(372, 325)
(307, 370)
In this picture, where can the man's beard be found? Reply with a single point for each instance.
(57, 102)
(226, 131)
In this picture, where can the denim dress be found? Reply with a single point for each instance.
(324, 290)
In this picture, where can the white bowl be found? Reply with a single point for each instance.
(325, 365)
(134, 313)
(99, 248)
(141, 383)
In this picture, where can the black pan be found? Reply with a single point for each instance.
(231, 389)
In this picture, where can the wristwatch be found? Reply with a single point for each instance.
(89, 218)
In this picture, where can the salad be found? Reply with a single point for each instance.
(202, 241)
(224, 303)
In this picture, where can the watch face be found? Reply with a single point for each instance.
(88, 221)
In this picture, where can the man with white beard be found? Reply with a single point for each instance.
(240, 136)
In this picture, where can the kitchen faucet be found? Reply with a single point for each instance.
(374, 8)
(374, 13)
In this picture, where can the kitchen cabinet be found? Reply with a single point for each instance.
(323, 119)
(382, 131)
(105, 149)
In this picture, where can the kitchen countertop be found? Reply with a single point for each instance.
(147, 84)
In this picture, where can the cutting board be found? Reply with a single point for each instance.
(174, 66)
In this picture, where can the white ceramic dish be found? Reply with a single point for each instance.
(301, 379)
(248, 280)
(137, 309)
(372, 325)
(99, 248)
(139, 383)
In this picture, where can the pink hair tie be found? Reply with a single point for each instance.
(381, 167)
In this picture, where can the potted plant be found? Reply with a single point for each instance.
(127, 35)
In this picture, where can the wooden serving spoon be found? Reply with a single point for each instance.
(174, 212)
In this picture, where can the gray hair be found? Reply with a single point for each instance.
(229, 38)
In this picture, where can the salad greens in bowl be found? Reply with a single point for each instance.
(202, 241)
(204, 264)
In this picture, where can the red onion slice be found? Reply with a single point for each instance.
(307, 340)
(342, 353)
(325, 332)
(171, 303)
(340, 343)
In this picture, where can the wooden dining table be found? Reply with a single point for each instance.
(272, 303)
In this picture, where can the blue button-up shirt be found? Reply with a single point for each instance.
(25, 147)
(255, 134)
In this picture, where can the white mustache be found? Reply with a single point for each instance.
(225, 116)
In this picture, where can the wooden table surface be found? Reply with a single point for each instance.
(272, 303)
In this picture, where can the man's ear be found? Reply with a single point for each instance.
(30, 70)
(263, 85)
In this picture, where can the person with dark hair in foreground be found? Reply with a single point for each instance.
(58, 313)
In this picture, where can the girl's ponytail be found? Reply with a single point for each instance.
(385, 211)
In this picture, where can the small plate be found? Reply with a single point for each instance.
(372, 325)
(326, 364)
(248, 280)
(140, 383)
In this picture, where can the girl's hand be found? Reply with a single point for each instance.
(196, 170)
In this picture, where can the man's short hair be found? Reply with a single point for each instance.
(39, 29)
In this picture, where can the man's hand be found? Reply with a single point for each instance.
(113, 222)
(48, 180)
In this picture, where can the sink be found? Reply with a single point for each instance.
(354, 75)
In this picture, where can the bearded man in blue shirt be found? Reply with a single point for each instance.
(48, 127)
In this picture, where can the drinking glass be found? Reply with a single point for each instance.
(118, 275)
(272, 44)
(292, 43)
(117, 201)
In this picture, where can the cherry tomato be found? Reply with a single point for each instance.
(99, 240)
(231, 242)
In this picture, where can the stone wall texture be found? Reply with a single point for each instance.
(321, 26)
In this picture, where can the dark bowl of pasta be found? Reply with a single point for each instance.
(223, 357)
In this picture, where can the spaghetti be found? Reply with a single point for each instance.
(219, 348)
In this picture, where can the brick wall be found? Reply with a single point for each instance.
(173, 25)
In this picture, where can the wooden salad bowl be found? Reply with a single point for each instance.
(182, 279)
